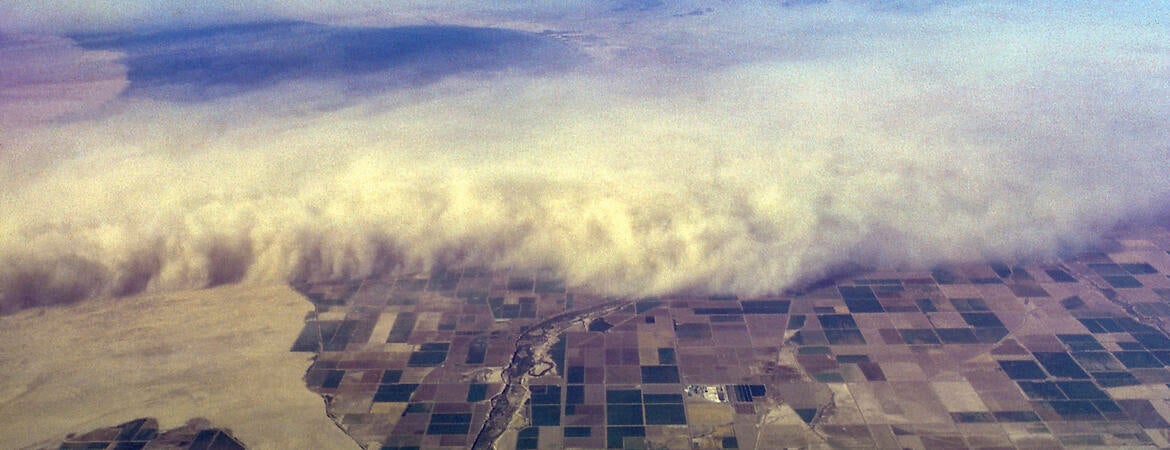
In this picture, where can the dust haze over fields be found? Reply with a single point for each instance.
(638, 148)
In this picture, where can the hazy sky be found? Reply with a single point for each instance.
(635, 147)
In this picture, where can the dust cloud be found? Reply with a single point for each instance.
(742, 149)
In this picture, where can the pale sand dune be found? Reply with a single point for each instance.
(217, 353)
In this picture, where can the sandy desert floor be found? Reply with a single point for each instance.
(218, 353)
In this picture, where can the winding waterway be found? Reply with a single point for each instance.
(531, 350)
